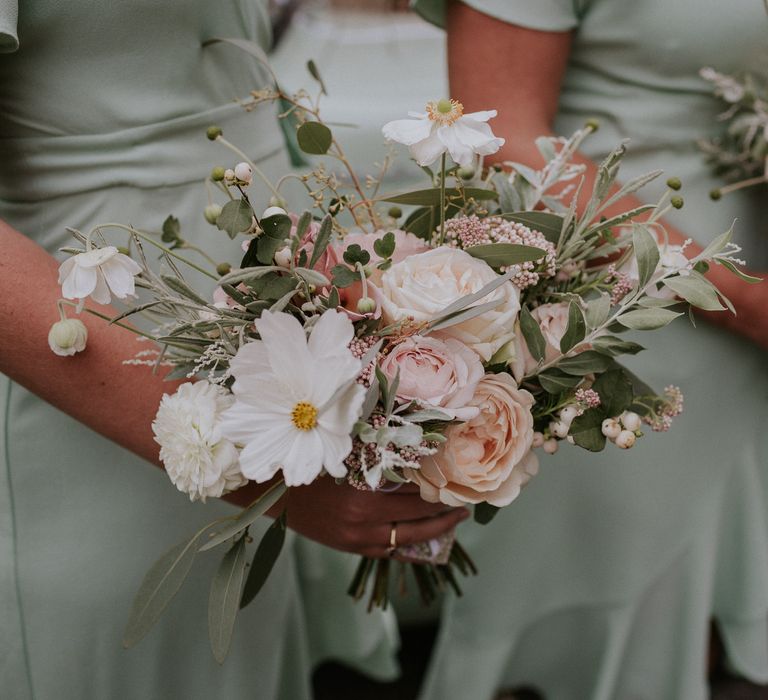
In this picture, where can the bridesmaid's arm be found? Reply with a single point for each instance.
(519, 72)
(119, 401)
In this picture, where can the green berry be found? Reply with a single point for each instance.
(213, 132)
(395, 212)
(714, 195)
(211, 213)
(223, 269)
(592, 124)
(676, 202)
(674, 183)
(217, 174)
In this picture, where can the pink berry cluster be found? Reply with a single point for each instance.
(586, 398)
(671, 406)
(359, 347)
(622, 284)
(467, 231)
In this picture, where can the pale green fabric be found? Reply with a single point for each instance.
(599, 582)
(103, 111)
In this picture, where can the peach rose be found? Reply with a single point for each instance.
(552, 320)
(422, 285)
(488, 458)
(436, 373)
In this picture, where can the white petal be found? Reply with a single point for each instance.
(331, 335)
(482, 116)
(478, 136)
(251, 360)
(97, 256)
(339, 416)
(242, 421)
(286, 344)
(408, 131)
(429, 150)
(304, 460)
(335, 451)
(461, 152)
(262, 458)
(78, 282)
(119, 278)
(101, 293)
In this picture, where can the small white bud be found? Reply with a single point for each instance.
(229, 175)
(244, 173)
(538, 439)
(366, 305)
(283, 257)
(625, 440)
(272, 211)
(570, 439)
(211, 213)
(611, 428)
(67, 337)
(568, 413)
(550, 446)
(631, 421)
(558, 429)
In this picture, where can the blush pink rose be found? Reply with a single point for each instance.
(552, 320)
(487, 459)
(436, 373)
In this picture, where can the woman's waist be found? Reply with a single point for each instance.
(159, 154)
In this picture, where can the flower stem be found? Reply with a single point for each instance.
(442, 199)
(253, 165)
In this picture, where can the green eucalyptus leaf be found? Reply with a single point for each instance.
(550, 225)
(322, 239)
(716, 246)
(534, 338)
(312, 68)
(276, 230)
(264, 559)
(421, 222)
(555, 381)
(160, 585)
(171, 230)
(646, 254)
(697, 291)
(466, 314)
(343, 277)
(647, 319)
(504, 254)
(589, 361)
(236, 217)
(314, 138)
(576, 329)
(246, 517)
(615, 390)
(728, 265)
(586, 430)
(273, 286)
(485, 512)
(431, 197)
(597, 311)
(224, 599)
(613, 346)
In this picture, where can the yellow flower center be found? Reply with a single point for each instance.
(304, 415)
(445, 112)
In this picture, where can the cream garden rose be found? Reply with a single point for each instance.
(488, 458)
(552, 320)
(421, 286)
(436, 373)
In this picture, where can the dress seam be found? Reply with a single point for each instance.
(12, 508)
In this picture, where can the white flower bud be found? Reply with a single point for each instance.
(229, 175)
(67, 337)
(244, 173)
(568, 413)
(570, 439)
(538, 439)
(366, 305)
(558, 429)
(550, 446)
(283, 257)
(211, 213)
(611, 428)
(625, 440)
(631, 421)
(272, 211)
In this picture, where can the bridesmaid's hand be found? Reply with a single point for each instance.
(344, 518)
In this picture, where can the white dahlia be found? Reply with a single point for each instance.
(296, 399)
(198, 459)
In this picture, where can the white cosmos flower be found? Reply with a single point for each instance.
(98, 273)
(198, 459)
(296, 400)
(445, 127)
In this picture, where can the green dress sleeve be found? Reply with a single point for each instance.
(9, 13)
(544, 15)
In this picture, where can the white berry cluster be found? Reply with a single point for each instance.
(623, 430)
(557, 429)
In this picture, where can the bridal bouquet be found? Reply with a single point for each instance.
(740, 153)
(444, 346)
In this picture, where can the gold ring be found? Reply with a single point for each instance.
(392, 541)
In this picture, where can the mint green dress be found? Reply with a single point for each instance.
(103, 110)
(599, 582)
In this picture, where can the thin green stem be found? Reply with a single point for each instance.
(253, 165)
(442, 199)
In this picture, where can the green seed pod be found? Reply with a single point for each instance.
(211, 213)
(223, 269)
(395, 212)
(674, 183)
(676, 202)
(366, 305)
(592, 124)
(714, 195)
(217, 174)
(213, 132)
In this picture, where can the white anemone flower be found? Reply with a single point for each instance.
(198, 459)
(445, 127)
(98, 273)
(296, 399)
